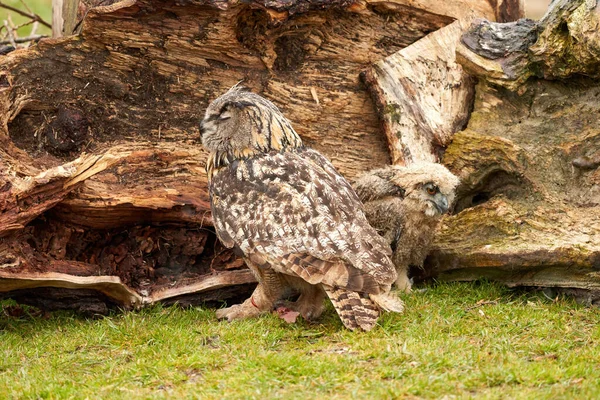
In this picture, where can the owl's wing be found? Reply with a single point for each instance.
(292, 206)
(388, 217)
(378, 184)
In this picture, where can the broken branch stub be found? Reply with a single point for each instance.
(422, 95)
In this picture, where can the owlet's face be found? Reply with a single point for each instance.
(429, 187)
(226, 127)
(433, 201)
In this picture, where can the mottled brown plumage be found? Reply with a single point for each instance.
(405, 205)
(296, 220)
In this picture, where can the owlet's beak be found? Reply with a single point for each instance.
(441, 203)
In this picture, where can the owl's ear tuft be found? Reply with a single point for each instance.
(238, 87)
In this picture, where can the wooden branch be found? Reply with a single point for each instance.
(108, 285)
(30, 15)
(224, 279)
(116, 291)
(24, 39)
(9, 33)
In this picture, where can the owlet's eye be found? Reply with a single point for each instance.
(432, 190)
(225, 115)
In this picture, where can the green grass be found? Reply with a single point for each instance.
(463, 340)
(43, 8)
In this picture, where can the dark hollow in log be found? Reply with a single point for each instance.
(526, 215)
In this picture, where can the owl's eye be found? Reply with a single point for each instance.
(432, 190)
(224, 116)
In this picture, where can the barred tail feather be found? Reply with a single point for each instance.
(356, 310)
(330, 273)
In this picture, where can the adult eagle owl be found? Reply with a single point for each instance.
(405, 205)
(297, 222)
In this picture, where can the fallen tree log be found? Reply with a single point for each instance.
(104, 189)
(109, 117)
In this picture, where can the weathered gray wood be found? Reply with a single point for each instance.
(422, 95)
(563, 43)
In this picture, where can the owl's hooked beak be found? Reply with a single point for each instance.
(441, 203)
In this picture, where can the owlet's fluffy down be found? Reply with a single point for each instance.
(297, 222)
(405, 205)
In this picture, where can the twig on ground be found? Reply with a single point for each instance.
(482, 303)
(24, 39)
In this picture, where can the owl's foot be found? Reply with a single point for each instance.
(239, 311)
(310, 304)
(403, 284)
(310, 307)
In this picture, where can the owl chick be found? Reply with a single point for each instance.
(296, 221)
(405, 205)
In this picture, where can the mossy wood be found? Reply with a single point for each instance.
(104, 197)
(528, 212)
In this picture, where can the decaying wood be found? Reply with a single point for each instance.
(423, 95)
(102, 176)
(102, 171)
(563, 43)
(143, 182)
(23, 199)
(108, 285)
(526, 214)
(528, 207)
